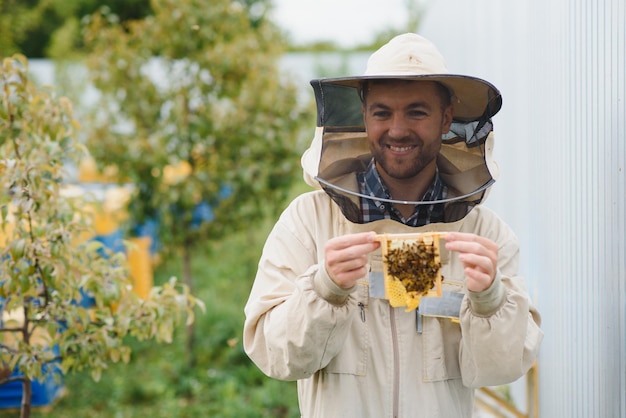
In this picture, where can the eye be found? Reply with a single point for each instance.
(417, 114)
(381, 114)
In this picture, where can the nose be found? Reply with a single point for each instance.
(398, 127)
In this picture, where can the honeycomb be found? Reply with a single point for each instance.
(412, 267)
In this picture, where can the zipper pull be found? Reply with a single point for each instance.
(360, 305)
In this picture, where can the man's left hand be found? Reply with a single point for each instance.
(479, 256)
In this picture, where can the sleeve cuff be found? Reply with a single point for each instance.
(485, 303)
(329, 290)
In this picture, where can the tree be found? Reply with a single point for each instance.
(195, 91)
(47, 266)
(51, 28)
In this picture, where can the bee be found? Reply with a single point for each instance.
(415, 264)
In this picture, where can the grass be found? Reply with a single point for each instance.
(158, 383)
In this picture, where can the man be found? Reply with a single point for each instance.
(318, 312)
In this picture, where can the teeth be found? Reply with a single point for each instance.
(399, 149)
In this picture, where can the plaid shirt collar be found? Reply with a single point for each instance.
(372, 185)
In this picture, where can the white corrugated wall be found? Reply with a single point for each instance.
(561, 147)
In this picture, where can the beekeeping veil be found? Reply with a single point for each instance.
(340, 148)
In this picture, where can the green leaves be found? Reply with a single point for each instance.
(200, 87)
(47, 269)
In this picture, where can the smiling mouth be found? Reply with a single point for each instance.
(400, 149)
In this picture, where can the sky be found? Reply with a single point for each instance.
(346, 22)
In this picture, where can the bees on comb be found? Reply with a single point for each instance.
(411, 267)
(415, 264)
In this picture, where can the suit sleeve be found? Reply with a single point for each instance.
(500, 327)
(296, 318)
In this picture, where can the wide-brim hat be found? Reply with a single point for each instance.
(413, 57)
(340, 147)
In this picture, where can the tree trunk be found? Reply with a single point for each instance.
(27, 389)
(27, 385)
(188, 280)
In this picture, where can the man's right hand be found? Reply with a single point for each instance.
(346, 257)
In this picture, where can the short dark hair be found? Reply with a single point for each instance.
(445, 95)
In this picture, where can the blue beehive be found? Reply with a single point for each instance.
(44, 392)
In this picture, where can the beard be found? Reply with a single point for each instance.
(405, 166)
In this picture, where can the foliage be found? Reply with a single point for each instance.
(194, 112)
(49, 28)
(47, 266)
(157, 382)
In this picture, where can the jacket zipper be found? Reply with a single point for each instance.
(360, 304)
(396, 361)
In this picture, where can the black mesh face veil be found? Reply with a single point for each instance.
(464, 162)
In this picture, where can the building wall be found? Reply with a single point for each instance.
(561, 147)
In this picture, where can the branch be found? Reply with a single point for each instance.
(7, 349)
(20, 329)
(12, 379)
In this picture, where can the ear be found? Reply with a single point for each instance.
(446, 119)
